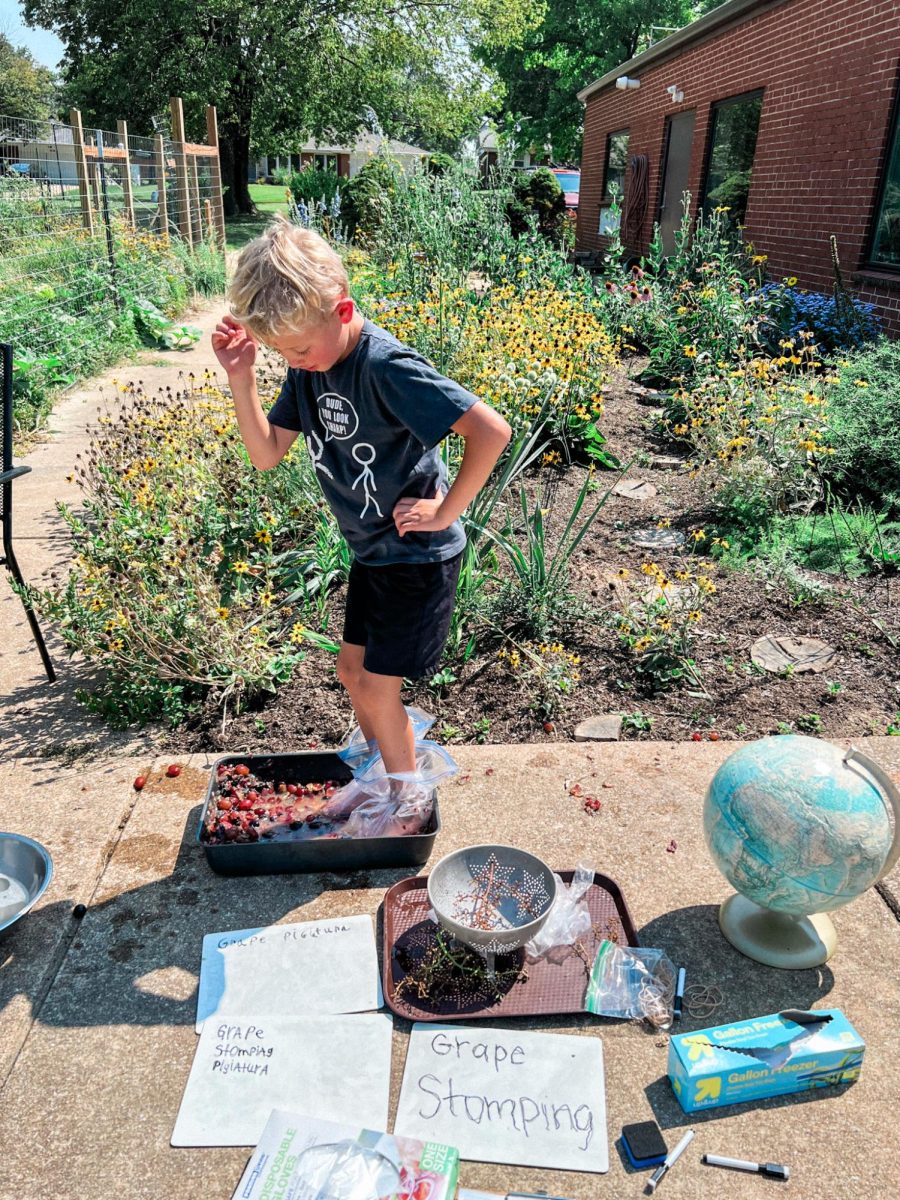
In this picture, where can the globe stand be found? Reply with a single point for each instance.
(775, 938)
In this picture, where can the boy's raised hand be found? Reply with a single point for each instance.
(234, 346)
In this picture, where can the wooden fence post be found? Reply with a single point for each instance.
(181, 170)
(195, 198)
(212, 137)
(161, 181)
(87, 216)
(122, 127)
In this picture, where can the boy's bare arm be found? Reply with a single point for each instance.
(266, 444)
(485, 434)
(235, 349)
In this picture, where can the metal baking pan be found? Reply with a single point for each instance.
(314, 854)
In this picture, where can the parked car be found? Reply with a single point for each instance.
(569, 179)
(570, 182)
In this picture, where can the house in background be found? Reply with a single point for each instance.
(787, 113)
(347, 160)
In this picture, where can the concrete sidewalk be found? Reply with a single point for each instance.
(97, 1033)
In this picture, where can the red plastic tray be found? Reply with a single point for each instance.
(551, 987)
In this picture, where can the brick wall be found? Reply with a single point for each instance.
(829, 70)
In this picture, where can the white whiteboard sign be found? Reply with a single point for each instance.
(336, 1068)
(315, 967)
(504, 1096)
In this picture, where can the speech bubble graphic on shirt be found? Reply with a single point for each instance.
(338, 416)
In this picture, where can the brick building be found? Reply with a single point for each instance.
(785, 111)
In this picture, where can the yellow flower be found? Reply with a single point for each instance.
(649, 569)
(297, 633)
(223, 612)
(723, 542)
(263, 535)
(240, 567)
(791, 281)
(690, 352)
(266, 598)
(641, 644)
(698, 535)
(694, 616)
(705, 585)
(623, 573)
(861, 382)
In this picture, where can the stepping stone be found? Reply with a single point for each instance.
(802, 654)
(667, 462)
(657, 539)
(602, 728)
(634, 489)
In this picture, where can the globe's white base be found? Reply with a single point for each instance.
(777, 939)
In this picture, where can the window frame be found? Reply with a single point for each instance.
(892, 142)
(715, 107)
(605, 194)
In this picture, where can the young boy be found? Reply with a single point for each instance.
(373, 413)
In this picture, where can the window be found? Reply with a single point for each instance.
(886, 242)
(616, 162)
(732, 144)
(326, 162)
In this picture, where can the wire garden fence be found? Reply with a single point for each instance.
(104, 238)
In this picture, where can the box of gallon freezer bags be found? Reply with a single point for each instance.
(792, 1051)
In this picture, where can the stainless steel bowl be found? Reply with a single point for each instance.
(26, 869)
(491, 898)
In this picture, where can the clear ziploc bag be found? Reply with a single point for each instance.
(381, 804)
(569, 918)
(356, 751)
(631, 982)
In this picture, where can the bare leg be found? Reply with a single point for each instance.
(379, 709)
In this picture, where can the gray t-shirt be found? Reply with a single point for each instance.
(372, 426)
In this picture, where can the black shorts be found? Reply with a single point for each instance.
(401, 614)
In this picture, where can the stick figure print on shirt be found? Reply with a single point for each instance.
(364, 453)
(315, 457)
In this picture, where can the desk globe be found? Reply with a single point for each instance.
(799, 827)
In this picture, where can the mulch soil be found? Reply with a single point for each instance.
(859, 618)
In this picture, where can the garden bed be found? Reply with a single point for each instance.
(490, 702)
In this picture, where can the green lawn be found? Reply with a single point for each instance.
(269, 199)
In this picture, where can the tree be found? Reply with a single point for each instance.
(26, 88)
(576, 43)
(277, 72)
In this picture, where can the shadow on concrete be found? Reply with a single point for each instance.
(47, 720)
(135, 959)
(669, 1114)
(692, 939)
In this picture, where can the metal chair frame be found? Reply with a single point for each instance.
(7, 475)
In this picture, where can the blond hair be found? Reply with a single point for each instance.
(286, 279)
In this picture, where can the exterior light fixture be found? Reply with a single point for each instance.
(676, 93)
(623, 83)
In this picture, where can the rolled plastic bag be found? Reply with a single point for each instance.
(569, 918)
(382, 804)
(355, 751)
(631, 982)
(345, 1170)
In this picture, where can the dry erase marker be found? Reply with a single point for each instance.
(770, 1170)
(672, 1158)
(679, 995)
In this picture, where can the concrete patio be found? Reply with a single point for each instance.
(97, 1036)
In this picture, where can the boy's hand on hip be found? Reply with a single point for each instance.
(415, 515)
(234, 347)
